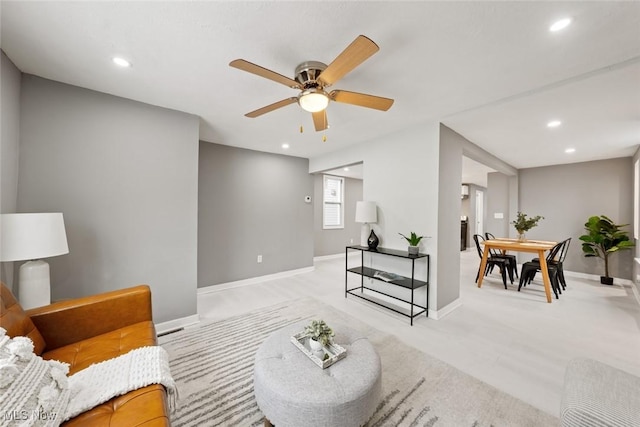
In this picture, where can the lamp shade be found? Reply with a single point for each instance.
(30, 236)
(313, 100)
(366, 212)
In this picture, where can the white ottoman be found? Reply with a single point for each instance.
(292, 391)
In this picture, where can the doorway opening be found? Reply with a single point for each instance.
(479, 225)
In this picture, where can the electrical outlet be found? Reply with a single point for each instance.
(259, 258)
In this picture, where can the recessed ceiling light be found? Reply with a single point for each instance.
(554, 123)
(560, 25)
(285, 146)
(570, 150)
(121, 62)
(346, 169)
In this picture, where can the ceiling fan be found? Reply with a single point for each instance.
(312, 78)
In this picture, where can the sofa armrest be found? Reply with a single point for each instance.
(67, 322)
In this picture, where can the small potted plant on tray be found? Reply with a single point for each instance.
(320, 334)
(414, 242)
(523, 224)
(603, 239)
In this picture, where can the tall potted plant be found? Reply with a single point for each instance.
(603, 239)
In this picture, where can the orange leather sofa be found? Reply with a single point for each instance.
(88, 330)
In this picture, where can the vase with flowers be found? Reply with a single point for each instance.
(523, 224)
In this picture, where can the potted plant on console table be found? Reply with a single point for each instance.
(414, 241)
(604, 238)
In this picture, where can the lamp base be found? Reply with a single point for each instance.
(33, 285)
(364, 234)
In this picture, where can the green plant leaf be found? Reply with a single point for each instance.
(604, 237)
(414, 240)
(523, 224)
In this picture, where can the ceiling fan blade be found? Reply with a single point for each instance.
(249, 67)
(271, 107)
(355, 54)
(320, 120)
(361, 99)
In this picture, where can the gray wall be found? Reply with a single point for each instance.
(252, 203)
(124, 174)
(636, 271)
(10, 139)
(333, 241)
(10, 78)
(567, 195)
(452, 147)
(497, 201)
(449, 207)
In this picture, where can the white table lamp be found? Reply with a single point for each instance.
(366, 213)
(31, 236)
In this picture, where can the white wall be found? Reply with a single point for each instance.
(333, 241)
(401, 175)
(125, 176)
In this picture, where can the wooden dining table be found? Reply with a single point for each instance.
(515, 245)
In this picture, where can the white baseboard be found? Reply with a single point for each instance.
(595, 277)
(175, 324)
(439, 314)
(616, 281)
(636, 293)
(636, 285)
(254, 280)
(334, 256)
(328, 257)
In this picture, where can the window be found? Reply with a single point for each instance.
(332, 202)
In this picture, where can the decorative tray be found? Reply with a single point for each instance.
(324, 358)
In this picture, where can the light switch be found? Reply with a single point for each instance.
(498, 215)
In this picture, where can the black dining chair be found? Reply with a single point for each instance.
(558, 262)
(530, 268)
(513, 262)
(501, 263)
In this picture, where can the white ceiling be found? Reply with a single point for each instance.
(351, 171)
(489, 70)
(474, 172)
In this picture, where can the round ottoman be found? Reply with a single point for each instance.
(293, 391)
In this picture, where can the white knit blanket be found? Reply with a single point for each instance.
(114, 377)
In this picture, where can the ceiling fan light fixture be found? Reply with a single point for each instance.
(313, 100)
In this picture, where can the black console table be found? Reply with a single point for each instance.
(397, 280)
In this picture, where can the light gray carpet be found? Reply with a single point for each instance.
(213, 365)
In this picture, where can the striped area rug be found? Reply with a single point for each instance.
(212, 364)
